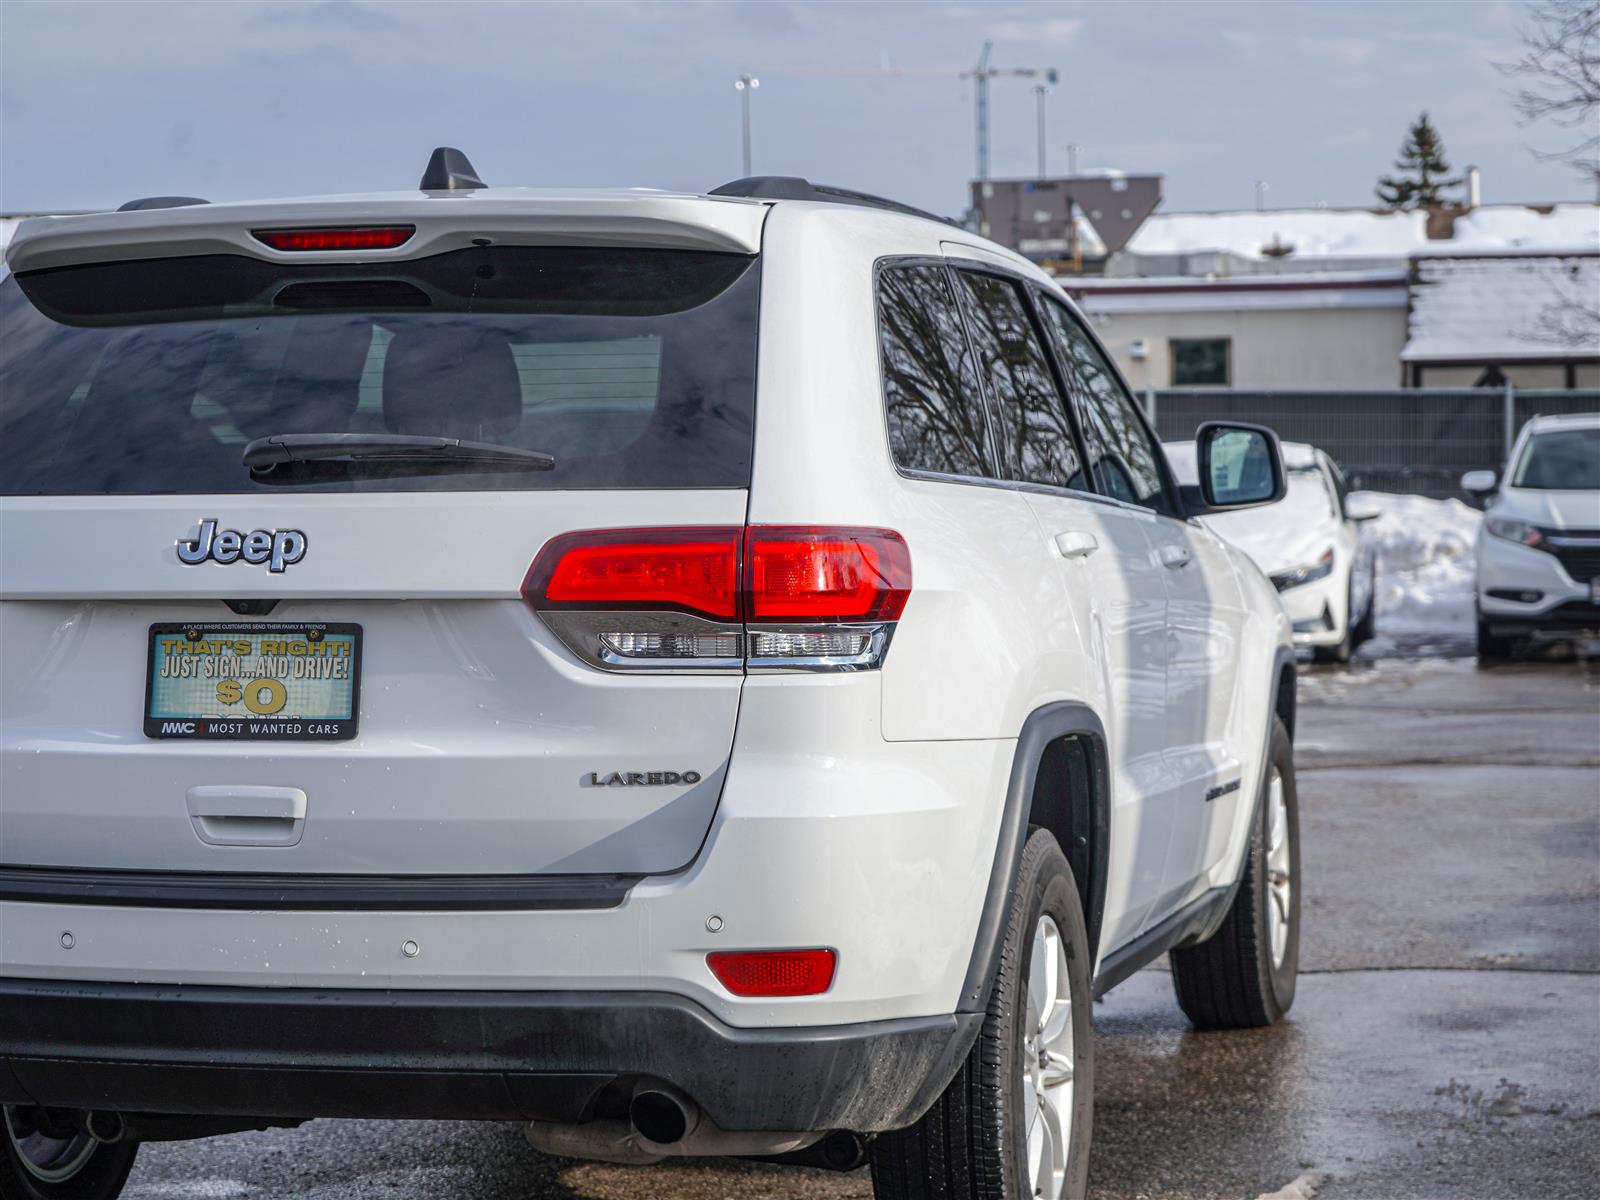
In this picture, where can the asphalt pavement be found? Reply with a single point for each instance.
(1445, 1042)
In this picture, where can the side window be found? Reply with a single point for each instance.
(930, 386)
(1122, 452)
(1032, 426)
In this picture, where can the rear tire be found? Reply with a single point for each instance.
(1367, 627)
(975, 1143)
(1243, 977)
(45, 1160)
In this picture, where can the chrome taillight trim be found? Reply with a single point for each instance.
(878, 636)
(583, 631)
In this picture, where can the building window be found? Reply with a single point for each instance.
(1201, 362)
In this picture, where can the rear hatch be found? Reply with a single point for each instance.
(322, 664)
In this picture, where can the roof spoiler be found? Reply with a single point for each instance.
(792, 187)
(160, 202)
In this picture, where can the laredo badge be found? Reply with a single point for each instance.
(639, 778)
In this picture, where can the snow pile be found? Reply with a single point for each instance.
(1425, 562)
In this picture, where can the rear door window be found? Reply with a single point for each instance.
(931, 393)
(1122, 451)
(1033, 431)
(633, 368)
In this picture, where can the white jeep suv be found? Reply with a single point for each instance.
(692, 674)
(1538, 563)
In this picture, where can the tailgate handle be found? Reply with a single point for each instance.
(247, 815)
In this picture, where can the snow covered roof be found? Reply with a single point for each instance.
(1516, 227)
(1504, 308)
(1314, 233)
(1361, 233)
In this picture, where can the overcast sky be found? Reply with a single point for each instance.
(237, 99)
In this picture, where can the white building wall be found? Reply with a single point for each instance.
(1315, 347)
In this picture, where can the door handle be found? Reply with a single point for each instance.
(1174, 556)
(247, 815)
(1076, 544)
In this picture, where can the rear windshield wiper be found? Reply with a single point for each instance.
(280, 449)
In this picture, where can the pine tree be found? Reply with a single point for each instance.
(1425, 170)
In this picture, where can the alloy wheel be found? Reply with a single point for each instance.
(47, 1157)
(1047, 1063)
(1280, 884)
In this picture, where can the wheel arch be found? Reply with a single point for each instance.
(1060, 780)
(1285, 689)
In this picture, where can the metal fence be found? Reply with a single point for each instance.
(1415, 440)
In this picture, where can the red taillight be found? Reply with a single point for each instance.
(377, 237)
(774, 972)
(801, 575)
(693, 570)
(765, 597)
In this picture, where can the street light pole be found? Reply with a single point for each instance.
(1039, 92)
(1072, 157)
(744, 85)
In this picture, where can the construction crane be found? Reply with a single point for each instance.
(980, 74)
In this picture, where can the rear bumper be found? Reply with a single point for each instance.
(455, 1055)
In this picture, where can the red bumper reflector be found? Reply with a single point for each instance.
(802, 575)
(693, 570)
(384, 237)
(774, 972)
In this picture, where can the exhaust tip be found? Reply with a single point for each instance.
(659, 1117)
(107, 1128)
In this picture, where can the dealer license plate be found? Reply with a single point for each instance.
(261, 681)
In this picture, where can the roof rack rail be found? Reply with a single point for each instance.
(792, 187)
(145, 202)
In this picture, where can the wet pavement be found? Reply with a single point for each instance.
(1445, 1042)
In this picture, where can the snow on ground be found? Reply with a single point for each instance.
(1425, 562)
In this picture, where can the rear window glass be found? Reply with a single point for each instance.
(633, 368)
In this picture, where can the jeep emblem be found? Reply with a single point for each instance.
(276, 547)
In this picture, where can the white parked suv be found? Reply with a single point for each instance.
(1310, 546)
(721, 674)
(1538, 567)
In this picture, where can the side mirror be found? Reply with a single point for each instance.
(1362, 511)
(1479, 483)
(1240, 466)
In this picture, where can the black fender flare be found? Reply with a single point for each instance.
(1043, 726)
